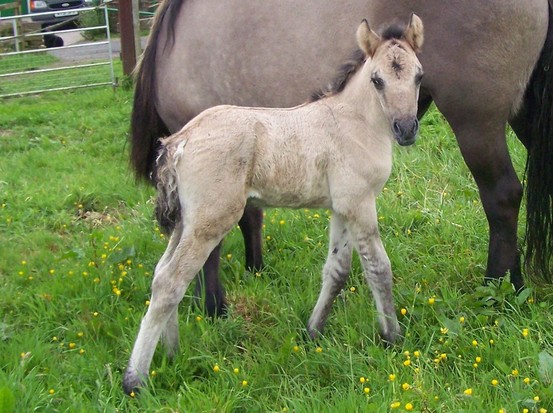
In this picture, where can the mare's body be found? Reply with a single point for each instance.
(479, 59)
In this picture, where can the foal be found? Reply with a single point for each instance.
(334, 152)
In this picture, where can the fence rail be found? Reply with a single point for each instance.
(27, 67)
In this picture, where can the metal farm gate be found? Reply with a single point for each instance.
(28, 67)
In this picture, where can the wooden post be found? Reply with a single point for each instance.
(136, 26)
(128, 46)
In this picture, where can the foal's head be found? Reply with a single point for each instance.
(395, 73)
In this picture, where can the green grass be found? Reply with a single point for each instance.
(78, 245)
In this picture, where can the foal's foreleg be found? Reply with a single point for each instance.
(335, 274)
(377, 268)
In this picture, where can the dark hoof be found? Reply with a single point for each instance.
(517, 282)
(132, 383)
(256, 266)
(391, 338)
(212, 306)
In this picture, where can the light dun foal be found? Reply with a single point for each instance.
(334, 152)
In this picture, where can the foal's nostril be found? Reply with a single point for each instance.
(397, 128)
(415, 128)
(407, 127)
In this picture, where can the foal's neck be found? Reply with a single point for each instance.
(360, 99)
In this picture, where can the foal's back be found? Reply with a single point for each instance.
(269, 155)
(285, 157)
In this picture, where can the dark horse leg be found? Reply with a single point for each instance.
(481, 138)
(210, 286)
(251, 225)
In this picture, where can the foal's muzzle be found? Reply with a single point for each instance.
(405, 130)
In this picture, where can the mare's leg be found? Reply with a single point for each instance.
(484, 148)
(363, 228)
(251, 225)
(335, 274)
(210, 286)
(522, 126)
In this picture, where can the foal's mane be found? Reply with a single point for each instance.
(352, 65)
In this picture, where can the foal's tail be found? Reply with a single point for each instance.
(146, 124)
(168, 207)
(539, 166)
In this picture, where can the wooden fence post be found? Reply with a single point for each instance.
(128, 46)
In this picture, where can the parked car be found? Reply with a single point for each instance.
(58, 11)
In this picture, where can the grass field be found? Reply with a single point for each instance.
(78, 245)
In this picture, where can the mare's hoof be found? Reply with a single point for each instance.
(212, 306)
(256, 266)
(516, 282)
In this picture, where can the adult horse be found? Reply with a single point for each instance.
(487, 64)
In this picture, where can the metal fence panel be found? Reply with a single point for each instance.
(28, 69)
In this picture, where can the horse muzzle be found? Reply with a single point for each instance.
(405, 130)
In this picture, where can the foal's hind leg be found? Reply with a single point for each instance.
(335, 274)
(173, 275)
(170, 335)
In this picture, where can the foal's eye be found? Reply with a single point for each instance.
(377, 82)
(418, 78)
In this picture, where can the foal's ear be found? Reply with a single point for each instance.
(367, 40)
(414, 34)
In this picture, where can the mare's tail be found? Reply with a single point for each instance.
(146, 124)
(168, 207)
(539, 167)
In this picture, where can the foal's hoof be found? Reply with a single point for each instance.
(132, 382)
(391, 338)
(313, 334)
